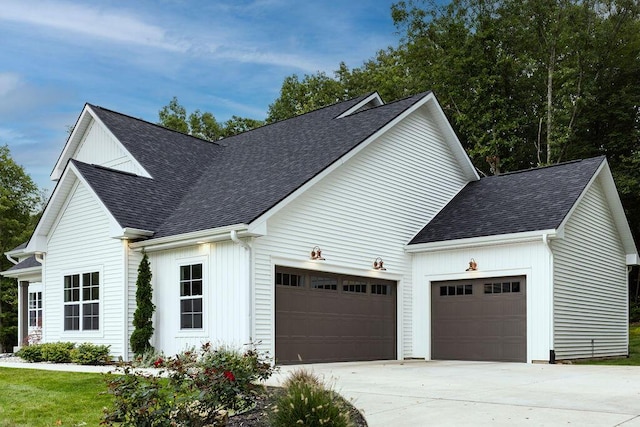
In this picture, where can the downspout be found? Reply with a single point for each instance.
(552, 352)
(39, 257)
(235, 239)
(10, 258)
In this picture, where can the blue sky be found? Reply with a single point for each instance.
(227, 57)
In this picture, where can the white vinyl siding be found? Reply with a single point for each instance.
(99, 147)
(525, 259)
(80, 242)
(369, 207)
(590, 283)
(225, 296)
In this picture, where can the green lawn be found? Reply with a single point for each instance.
(34, 398)
(634, 351)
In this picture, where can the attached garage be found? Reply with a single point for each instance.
(480, 319)
(325, 317)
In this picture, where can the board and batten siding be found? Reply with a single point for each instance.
(590, 283)
(99, 147)
(80, 242)
(226, 270)
(369, 207)
(523, 259)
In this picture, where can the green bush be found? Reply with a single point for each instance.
(200, 388)
(144, 310)
(57, 352)
(90, 354)
(306, 401)
(31, 353)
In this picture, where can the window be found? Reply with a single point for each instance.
(289, 279)
(456, 290)
(354, 286)
(379, 289)
(35, 309)
(501, 288)
(328, 283)
(191, 296)
(82, 302)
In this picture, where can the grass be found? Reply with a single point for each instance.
(34, 398)
(634, 351)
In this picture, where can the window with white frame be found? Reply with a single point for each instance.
(82, 302)
(191, 296)
(35, 309)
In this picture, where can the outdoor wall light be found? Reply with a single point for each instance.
(316, 254)
(378, 264)
(473, 265)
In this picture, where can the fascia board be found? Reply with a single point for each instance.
(603, 173)
(501, 239)
(58, 202)
(17, 274)
(187, 239)
(373, 97)
(354, 151)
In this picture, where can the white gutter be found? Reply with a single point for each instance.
(188, 239)
(500, 239)
(39, 256)
(13, 260)
(547, 245)
(233, 234)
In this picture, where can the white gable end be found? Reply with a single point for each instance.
(100, 147)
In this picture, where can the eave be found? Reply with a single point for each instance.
(500, 239)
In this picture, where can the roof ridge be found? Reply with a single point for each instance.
(153, 124)
(418, 96)
(537, 168)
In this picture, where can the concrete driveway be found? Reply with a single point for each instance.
(419, 393)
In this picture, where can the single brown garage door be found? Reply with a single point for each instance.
(323, 317)
(482, 319)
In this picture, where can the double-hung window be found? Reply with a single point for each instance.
(35, 309)
(82, 302)
(191, 296)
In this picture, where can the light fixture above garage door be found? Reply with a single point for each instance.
(473, 265)
(316, 254)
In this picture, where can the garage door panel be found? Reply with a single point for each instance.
(335, 320)
(486, 322)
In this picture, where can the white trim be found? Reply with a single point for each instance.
(206, 308)
(467, 167)
(25, 274)
(472, 275)
(500, 239)
(328, 267)
(373, 97)
(633, 259)
(82, 333)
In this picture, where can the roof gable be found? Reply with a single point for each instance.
(518, 202)
(87, 126)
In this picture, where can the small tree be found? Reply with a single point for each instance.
(142, 317)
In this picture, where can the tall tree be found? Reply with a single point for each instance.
(20, 201)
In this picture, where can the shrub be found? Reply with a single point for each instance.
(201, 386)
(90, 354)
(31, 353)
(57, 352)
(306, 401)
(144, 310)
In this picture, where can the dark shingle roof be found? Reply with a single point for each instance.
(199, 185)
(535, 199)
(26, 263)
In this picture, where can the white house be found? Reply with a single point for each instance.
(359, 231)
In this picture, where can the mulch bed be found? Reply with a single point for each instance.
(259, 415)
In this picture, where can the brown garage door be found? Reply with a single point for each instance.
(481, 319)
(323, 317)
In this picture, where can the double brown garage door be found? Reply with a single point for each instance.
(483, 319)
(323, 317)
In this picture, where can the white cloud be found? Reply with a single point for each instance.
(90, 21)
